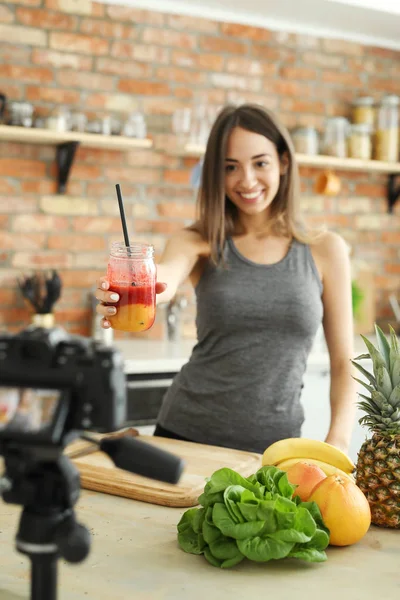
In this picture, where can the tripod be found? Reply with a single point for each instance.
(47, 529)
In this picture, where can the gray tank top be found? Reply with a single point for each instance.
(255, 327)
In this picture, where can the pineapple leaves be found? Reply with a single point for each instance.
(394, 398)
(383, 346)
(366, 373)
(377, 358)
(365, 384)
(396, 372)
(383, 381)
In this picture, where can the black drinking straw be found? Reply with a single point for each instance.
(123, 220)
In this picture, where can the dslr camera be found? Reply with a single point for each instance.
(55, 387)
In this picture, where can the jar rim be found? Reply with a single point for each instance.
(134, 250)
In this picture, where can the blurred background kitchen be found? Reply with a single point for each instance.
(99, 93)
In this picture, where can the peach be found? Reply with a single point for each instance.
(306, 476)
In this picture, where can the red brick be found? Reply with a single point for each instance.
(44, 260)
(209, 62)
(342, 47)
(147, 53)
(39, 223)
(122, 13)
(8, 297)
(80, 171)
(90, 81)
(53, 95)
(98, 10)
(165, 227)
(76, 243)
(28, 241)
(45, 19)
(216, 44)
(247, 32)
(107, 29)
(128, 68)
(299, 73)
(180, 75)
(391, 237)
(18, 205)
(393, 268)
(166, 37)
(386, 283)
(388, 85)
(132, 175)
(7, 187)
(97, 225)
(25, 74)
(61, 59)
(322, 60)
(14, 53)
(99, 156)
(3, 221)
(265, 52)
(6, 15)
(370, 189)
(289, 88)
(71, 298)
(303, 106)
(14, 315)
(145, 88)
(176, 210)
(25, 2)
(79, 43)
(181, 177)
(236, 82)
(383, 53)
(43, 186)
(350, 79)
(185, 22)
(183, 92)
(21, 168)
(248, 66)
(74, 278)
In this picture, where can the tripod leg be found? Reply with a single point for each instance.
(44, 576)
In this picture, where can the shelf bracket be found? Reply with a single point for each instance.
(65, 158)
(393, 192)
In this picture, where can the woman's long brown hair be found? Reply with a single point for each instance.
(217, 215)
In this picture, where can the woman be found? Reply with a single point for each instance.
(263, 286)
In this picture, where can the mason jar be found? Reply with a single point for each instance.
(363, 111)
(387, 130)
(335, 137)
(360, 141)
(132, 275)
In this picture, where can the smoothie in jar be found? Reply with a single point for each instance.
(132, 275)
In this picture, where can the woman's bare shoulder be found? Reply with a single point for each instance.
(330, 247)
(191, 240)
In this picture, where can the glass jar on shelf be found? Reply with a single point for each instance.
(335, 137)
(363, 111)
(360, 141)
(306, 140)
(387, 130)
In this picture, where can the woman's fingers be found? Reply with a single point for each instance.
(160, 287)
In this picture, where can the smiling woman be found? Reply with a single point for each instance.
(263, 284)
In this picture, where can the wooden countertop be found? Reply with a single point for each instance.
(135, 556)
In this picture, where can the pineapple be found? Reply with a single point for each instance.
(378, 465)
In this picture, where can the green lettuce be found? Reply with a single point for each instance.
(255, 518)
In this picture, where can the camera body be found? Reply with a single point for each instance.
(86, 377)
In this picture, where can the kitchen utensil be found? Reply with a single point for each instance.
(41, 290)
(98, 473)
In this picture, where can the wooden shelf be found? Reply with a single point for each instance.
(67, 142)
(322, 161)
(31, 135)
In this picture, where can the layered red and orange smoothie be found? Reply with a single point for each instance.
(136, 307)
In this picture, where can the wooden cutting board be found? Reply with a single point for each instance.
(99, 473)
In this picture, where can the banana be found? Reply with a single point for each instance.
(306, 448)
(326, 468)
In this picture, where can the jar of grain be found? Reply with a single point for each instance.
(335, 137)
(360, 141)
(305, 140)
(364, 111)
(387, 129)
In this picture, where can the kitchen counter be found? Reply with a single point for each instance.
(135, 556)
(154, 356)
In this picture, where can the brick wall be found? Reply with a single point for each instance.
(112, 60)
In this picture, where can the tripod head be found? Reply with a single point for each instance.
(53, 387)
